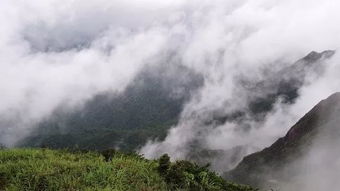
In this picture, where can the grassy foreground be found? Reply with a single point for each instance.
(44, 169)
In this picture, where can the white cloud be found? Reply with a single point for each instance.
(52, 52)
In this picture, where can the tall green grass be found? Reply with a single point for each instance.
(57, 170)
(30, 169)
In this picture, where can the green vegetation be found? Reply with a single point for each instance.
(44, 169)
(185, 175)
(145, 110)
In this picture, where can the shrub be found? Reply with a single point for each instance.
(109, 154)
(164, 164)
(3, 181)
(184, 175)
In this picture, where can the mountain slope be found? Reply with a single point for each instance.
(145, 109)
(260, 96)
(283, 83)
(320, 123)
(152, 103)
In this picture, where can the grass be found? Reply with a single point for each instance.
(44, 169)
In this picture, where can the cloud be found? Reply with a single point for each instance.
(56, 53)
(250, 39)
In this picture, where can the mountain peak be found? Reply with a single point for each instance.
(313, 56)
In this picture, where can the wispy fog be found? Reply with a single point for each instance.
(55, 53)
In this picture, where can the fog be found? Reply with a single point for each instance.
(55, 53)
(253, 36)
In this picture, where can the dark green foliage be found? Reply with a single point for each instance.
(3, 180)
(164, 164)
(109, 154)
(184, 175)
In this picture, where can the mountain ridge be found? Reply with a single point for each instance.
(261, 167)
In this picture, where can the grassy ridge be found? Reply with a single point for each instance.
(44, 169)
(60, 170)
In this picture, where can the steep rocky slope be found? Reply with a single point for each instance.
(318, 128)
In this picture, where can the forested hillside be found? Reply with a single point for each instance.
(146, 109)
(153, 102)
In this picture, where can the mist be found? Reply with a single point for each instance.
(254, 38)
(62, 53)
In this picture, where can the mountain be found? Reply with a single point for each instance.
(260, 95)
(282, 83)
(147, 108)
(319, 128)
(44, 169)
(153, 102)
